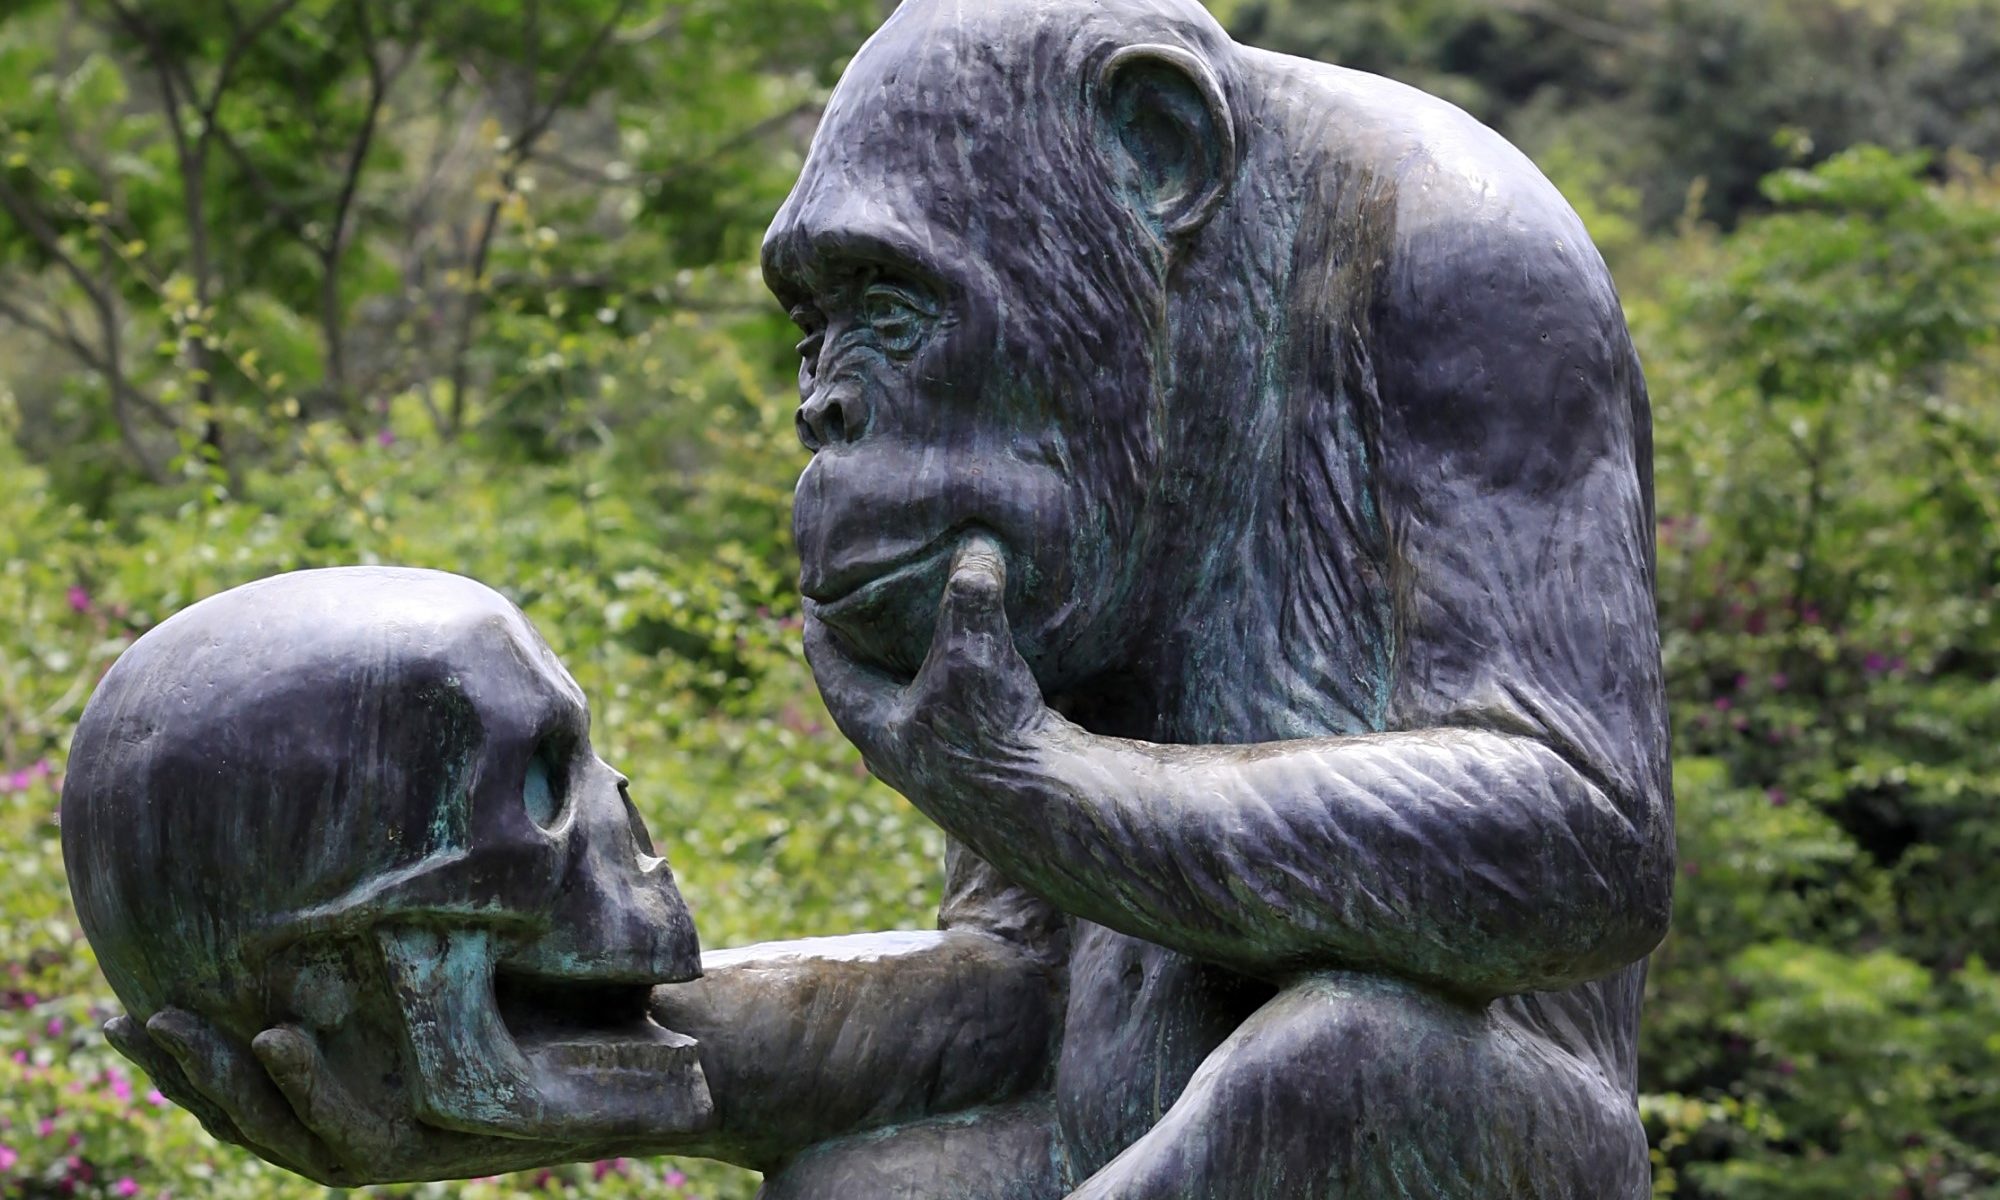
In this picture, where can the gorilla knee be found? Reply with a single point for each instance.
(1355, 1086)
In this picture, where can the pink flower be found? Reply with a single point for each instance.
(45, 1127)
(155, 1099)
(675, 1179)
(8, 1158)
(121, 1087)
(385, 439)
(125, 1186)
(79, 599)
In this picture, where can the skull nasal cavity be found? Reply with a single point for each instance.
(829, 417)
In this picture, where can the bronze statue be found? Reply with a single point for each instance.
(1229, 518)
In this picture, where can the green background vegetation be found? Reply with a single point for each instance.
(471, 284)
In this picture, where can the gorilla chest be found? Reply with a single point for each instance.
(1141, 1019)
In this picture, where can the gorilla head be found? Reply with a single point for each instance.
(988, 348)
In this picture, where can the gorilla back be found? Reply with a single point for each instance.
(1304, 417)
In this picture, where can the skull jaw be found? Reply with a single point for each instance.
(593, 1071)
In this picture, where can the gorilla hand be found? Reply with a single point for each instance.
(974, 705)
(235, 1101)
(280, 1099)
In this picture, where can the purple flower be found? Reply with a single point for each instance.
(79, 599)
(1779, 682)
(1874, 664)
(386, 438)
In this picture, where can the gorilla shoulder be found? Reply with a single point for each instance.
(1494, 319)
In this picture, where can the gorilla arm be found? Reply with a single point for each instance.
(800, 1042)
(810, 1040)
(1479, 862)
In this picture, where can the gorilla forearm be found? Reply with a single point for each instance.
(1478, 862)
(808, 1040)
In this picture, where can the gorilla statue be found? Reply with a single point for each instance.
(1229, 518)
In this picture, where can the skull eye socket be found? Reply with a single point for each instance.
(546, 786)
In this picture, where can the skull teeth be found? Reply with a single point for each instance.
(657, 1053)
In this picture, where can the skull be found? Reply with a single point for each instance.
(364, 802)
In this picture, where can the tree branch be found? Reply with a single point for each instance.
(105, 364)
(522, 150)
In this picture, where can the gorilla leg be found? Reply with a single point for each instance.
(1006, 1153)
(1351, 1086)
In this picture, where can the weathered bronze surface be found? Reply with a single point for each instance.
(1229, 518)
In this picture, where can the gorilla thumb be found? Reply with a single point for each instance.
(978, 579)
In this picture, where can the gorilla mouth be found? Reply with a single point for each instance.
(853, 586)
(575, 1026)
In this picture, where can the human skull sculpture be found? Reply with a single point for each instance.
(363, 802)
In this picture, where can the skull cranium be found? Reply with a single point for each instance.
(363, 801)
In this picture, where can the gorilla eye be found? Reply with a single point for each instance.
(899, 317)
(546, 786)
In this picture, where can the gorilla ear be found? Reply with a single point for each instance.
(1164, 125)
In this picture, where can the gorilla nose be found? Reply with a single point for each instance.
(831, 416)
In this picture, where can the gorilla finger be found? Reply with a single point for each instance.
(973, 634)
(131, 1041)
(979, 574)
(358, 1132)
(237, 1083)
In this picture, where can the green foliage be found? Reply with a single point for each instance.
(1823, 1020)
(593, 413)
